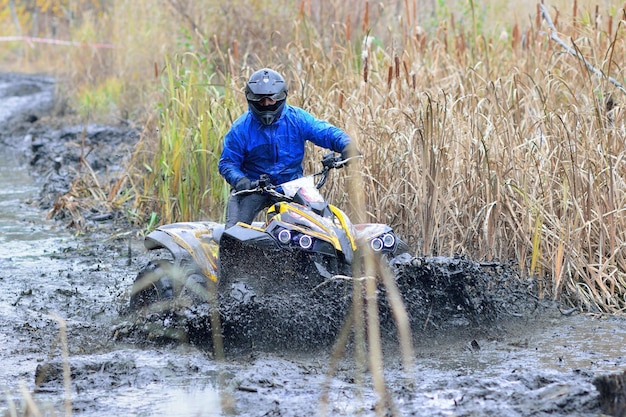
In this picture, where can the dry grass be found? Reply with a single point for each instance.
(481, 135)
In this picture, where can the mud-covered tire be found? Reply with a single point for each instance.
(198, 289)
(154, 283)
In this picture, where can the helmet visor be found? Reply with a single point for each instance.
(258, 97)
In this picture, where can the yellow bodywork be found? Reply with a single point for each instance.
(198, 239)
(320, 222)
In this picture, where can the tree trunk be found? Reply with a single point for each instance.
(18, 28)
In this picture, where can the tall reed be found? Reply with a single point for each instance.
(480, 136)
(193, 119)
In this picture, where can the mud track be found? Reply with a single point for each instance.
(485, 342)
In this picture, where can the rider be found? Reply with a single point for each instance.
(269, 139)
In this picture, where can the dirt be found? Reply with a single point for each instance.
(484, 341)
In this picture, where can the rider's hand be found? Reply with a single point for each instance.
(329, 160)
(243, 184)
(349, 151)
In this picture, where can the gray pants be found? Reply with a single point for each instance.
(244, 208)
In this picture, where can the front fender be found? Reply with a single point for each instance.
(198, 241)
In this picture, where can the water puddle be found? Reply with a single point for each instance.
(187, 400)
(43, 278)
(20, 224)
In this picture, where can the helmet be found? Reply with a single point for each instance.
(266, 83)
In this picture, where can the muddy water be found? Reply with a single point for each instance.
(24, 240)
(521, 368)
(49, 278)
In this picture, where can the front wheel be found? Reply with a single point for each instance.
(153, 284)
(162, 281)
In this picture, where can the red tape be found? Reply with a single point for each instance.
(32, 40)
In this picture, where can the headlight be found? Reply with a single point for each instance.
(305, 241)
(292, 238)
(377, 244)
(284, 237)
(389, 240)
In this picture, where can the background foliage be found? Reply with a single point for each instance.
(481, 133)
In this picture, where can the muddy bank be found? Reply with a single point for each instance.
(67, 158)
(485, 344)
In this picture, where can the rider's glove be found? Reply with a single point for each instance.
(243, 184)
(329, 160)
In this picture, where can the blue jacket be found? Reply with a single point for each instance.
(252, 149)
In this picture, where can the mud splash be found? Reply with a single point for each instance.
(521, 360)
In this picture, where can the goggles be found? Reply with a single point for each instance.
(258, 97)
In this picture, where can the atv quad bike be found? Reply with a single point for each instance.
(303, 243)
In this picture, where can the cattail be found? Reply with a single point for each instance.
(301, 10)
(365, 69)
(407, 13)
(389, 77)
(556, 18)
(515, 36)
(397, 65)
(420, 37)
(366, 17)
(538, 17)
(365, 55)
(460, 46)
(406, 70)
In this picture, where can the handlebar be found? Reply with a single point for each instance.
(329, 161)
